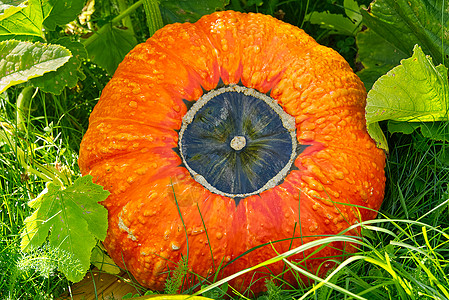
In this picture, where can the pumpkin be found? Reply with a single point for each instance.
(226, 141)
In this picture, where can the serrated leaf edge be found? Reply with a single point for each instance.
(5, 84)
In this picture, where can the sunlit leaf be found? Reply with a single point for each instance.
(392, 97)
(415, 91)
(71, 219)
(27, 20)
(21, 61)
(12, 7)
(25, 23)
(66, 76)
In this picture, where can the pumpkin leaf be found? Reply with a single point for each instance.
(27, 20)
(67, 75)
(118, 42)
(70, 220)
(25, 23)
(11, 6)
(391, 97)
(189, 10)
(63, 12)
(21, 61)
(432, 130)
(400, 25)
(352, 10)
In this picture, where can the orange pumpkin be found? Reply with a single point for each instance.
(220, 136)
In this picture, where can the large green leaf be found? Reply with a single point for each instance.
(189, 10)
(63, 12)
(71, 219)
(26, 21)
(110, 47)
(16, 5)
(21, 61)
(414, 91)
(397, 26)
(66, 76)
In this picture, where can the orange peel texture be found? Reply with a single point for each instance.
(131, 147)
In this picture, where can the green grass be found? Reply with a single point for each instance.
(44, 146)
(404, 254)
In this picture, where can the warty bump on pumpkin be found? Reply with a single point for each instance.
(241, 127)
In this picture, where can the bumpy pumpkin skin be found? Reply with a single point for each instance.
(128, 148)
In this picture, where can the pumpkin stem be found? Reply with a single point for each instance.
(154, 17)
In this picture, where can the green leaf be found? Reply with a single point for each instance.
(71, 220)
(25, 23)
(377, 135)
(338, 24)
(400, 25)
(11, 6)
(118, 43)
(67, 75)
(402, 127)
(438, 131)
(352, 10)
(103, 262)
(415, 91)
(63, 12)
(27, 20)
(21, 61)
(189, 10)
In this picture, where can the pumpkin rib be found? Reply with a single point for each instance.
(197, 62)
(199, 65)
(128, 148)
